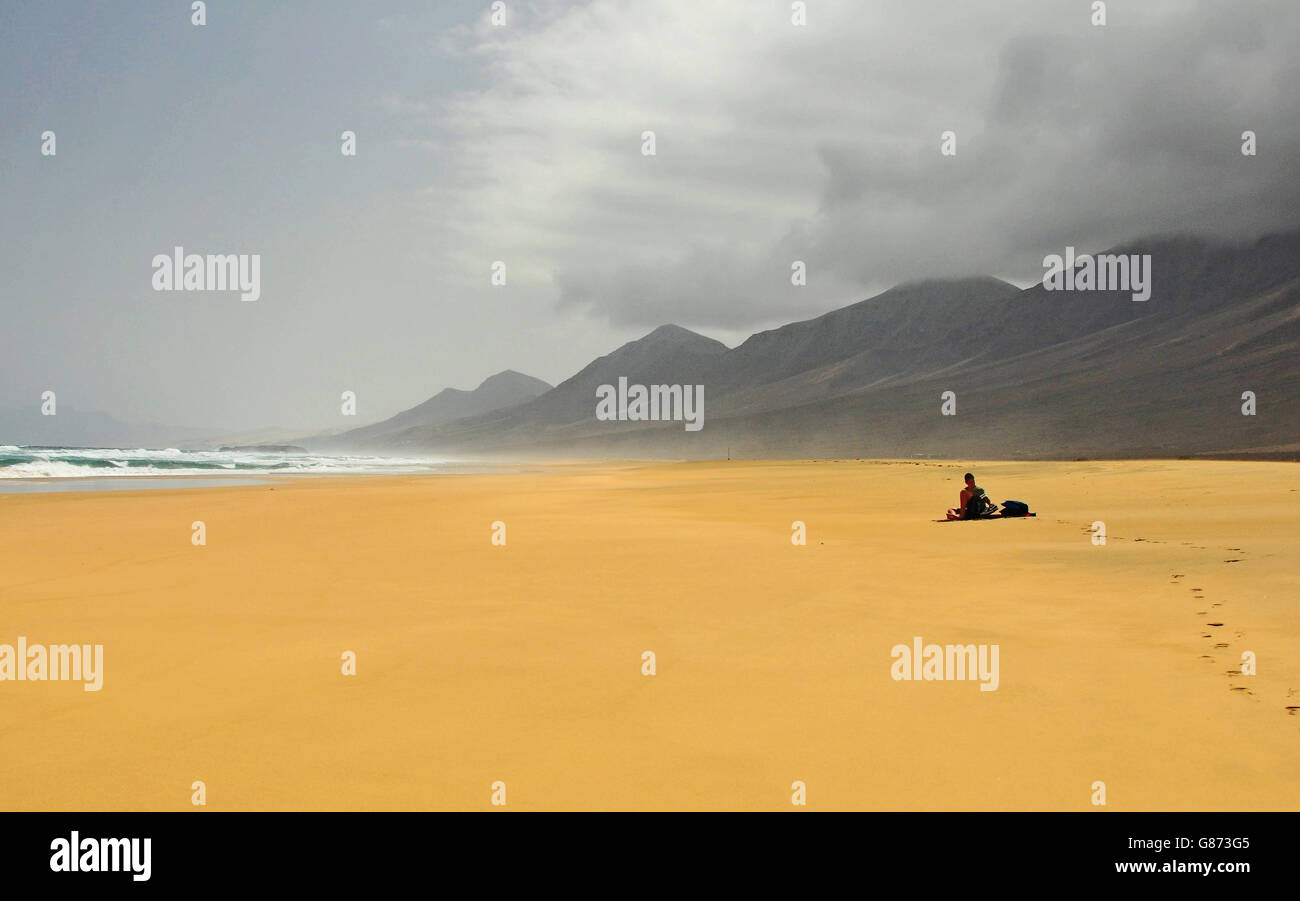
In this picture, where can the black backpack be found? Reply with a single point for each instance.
(1015, 508)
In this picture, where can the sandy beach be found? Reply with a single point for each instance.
(523, 663)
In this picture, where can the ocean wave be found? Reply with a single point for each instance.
(55, 462)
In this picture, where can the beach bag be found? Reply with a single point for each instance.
(1015, 508)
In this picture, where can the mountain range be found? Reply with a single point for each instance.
(503, 390)
(1034, 373)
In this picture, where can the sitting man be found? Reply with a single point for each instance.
(973, 502)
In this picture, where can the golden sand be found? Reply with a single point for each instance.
(523, 663)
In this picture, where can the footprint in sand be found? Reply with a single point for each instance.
(1291, 710)
(1242, 688)
(1221, 645)
(1201, 612)
(1231, 561)
(1207, 635)
(1215, 625)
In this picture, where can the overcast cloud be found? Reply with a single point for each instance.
(522, 144)
(821, 144)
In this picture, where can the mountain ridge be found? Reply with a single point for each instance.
(501, 390)
(1036, 372)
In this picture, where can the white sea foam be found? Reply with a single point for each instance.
(79, 462)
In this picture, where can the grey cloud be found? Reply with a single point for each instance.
(1084, 137)
(521, 144)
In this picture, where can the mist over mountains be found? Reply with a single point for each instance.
(503, 390)
(74, 427)
(1035, 373)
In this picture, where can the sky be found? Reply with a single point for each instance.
(523, 143)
